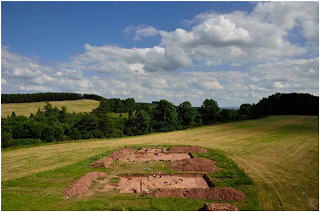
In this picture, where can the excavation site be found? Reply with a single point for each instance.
(139, 184)
(154, 172)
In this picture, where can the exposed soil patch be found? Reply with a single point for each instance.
(223, 194)
(158, 156)
(194, 165)
(219, 207)
(104, 162)
(138, 184)
(187, 149)
(82, 184)
(121, 154)
(151, 150)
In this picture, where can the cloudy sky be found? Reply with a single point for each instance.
(233, 52)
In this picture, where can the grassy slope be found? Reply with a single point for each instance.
(43, 191)
(83, 105)
(280, 153)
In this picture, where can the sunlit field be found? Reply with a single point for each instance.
(280, 154)
(83, 105)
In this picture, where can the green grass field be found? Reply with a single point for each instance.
(279, 153)
(83, 105)
(48, 187)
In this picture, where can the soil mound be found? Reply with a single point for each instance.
(219, 207)
(223, 194)
(82, 184)
(194, 165)
(187, 149)
(104, 162)
(121, 153)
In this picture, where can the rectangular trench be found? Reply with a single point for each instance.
(138, 184)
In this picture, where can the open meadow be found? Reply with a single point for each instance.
(280, 154)
(82, 105)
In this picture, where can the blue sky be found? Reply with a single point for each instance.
(233, 52)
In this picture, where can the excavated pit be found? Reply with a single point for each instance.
(138, 184)
(150, 150)
(194, 165)
(139, 157)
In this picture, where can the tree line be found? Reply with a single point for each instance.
(41, 97)
(51, 124)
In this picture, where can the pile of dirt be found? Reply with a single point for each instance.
(104, 162)
(187, 149)
(194, 165)
(222, 194)
(82, 184)
(121, 153)
(219, 207)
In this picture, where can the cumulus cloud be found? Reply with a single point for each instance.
(286, 15)
(141, 31)
(215, 31)
(107, 59)
(300, 75)
(233, 38)
(233, 58)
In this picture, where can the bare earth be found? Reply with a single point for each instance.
(158, 156)
(82, 184)
(219, 207)
(194, 165)
(133, 184)
(187, 149)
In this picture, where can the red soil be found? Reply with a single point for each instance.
(158, 156)
(219, 207)
(82, 184)
(223, 194)
(138, 184)
(121, 154)
(151, 150)
(194, 165)
(187, 149)
(104, 162)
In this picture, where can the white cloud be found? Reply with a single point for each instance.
(108, 59)
(300, 75)
(141, 31)
(35, 88)
(238, 39)
(214, 31)
(286, 15)
(3, 82)
(145, 32)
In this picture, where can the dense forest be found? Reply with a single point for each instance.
(51, 124)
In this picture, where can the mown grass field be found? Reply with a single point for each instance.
(280, 154)
(47, 187)
(82, 105)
